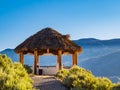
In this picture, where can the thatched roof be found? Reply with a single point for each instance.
(48, 39)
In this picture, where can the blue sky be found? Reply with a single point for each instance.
(80, 18)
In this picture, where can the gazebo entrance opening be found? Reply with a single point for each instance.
(47, 60)
(66, 61)
(58, 62)
(28, 59)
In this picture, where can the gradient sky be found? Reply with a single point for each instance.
(80, 18)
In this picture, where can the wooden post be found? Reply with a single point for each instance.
(35, 61)
(21, 58)
(59, 59)
(75, 60)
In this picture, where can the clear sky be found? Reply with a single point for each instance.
(80, 18)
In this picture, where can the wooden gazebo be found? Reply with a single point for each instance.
(50, 41)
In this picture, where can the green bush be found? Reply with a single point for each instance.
(116, 86)
(62, 74)
(13, 76)
(28, 69)
(104, 84)
(81, 79)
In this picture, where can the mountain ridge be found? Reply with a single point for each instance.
(97, 42)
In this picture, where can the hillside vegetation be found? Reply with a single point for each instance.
(81, 79)
(13, 76)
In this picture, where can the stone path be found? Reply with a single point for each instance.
(47, 83)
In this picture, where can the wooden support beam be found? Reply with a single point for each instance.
(36, 58)
(59, 63)
(21, 58)
(75, 59)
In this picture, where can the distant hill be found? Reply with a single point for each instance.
(100, 56)
(92, 42)
(108, 65)
(10, 53)
(88, 42)
(96, 48)
(115, 42)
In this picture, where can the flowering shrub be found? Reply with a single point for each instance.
(81, 79)
(62, 74)
(13, 76)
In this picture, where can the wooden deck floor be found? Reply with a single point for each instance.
(47, 83)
